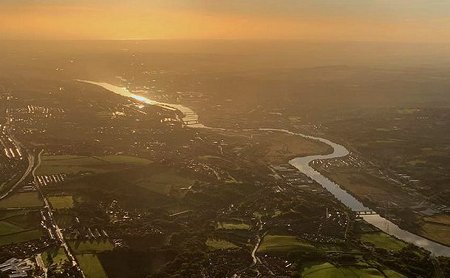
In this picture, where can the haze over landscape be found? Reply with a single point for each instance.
(193, 138)
(323, 20)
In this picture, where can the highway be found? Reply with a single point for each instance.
(27, 171)
(34, 161)
(56, 229)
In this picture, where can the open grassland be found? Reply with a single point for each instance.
(327, 270)
(278, 243)
(90, 246)
(72, 164)
(124, 159)
(165, 181)
(280, 147)
(220, 244)
(365, 186)
(22, 200)
(443, 219)
(382, 240)
(91, 266)
(61, 202)
(437, 227)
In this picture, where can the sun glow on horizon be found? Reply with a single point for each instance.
(316, 21)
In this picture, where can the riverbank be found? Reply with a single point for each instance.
(303, 165)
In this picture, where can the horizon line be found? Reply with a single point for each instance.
(223, 40)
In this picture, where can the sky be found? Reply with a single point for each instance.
(309, 20)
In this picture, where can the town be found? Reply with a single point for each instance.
(106, 179)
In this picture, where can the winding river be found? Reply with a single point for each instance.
(303, 165)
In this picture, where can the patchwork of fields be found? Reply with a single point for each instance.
(19, 226)
(74, 164)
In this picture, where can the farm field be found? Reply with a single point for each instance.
(164, 181)
(393, 274)
(20, 237)
(436, 227)
(86, 253)
(64, 218)
(61, 202)
(220, 244)
(19, 225)
(365, 185)
(232, 226)
(9, 228)
(72, 164)
(281, 243)
(328, 270)
(22, 200)
(382, 240)
(442, 219)
(5, 214)
(88, 246)
(436, 231)
(91, 266)
(282, 146)
(124, 159)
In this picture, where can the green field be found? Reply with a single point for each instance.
(88, 246)
(86, 254)
(164, 181)
(64, 219)
(72, 164)
(124, 159)
(91, 266)
(220, 244)
(20, 237)
(393, 274)
(382, 240)
(61, 202)
(19, 225)
(277, 243)
(328, 270)
(58, 256)
(7, 228)
(232, 226)
(14, 221)
(5, 214)
(22, 200)
(27, 220)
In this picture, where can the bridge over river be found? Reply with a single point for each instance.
(303, 165)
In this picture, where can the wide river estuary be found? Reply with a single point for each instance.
(303, 165)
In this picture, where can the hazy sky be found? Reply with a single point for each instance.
(324, 20)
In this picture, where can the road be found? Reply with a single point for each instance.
(41, 264)
(57, 230)
(27, 172)
(258, 242)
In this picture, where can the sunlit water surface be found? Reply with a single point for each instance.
(303, 165)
